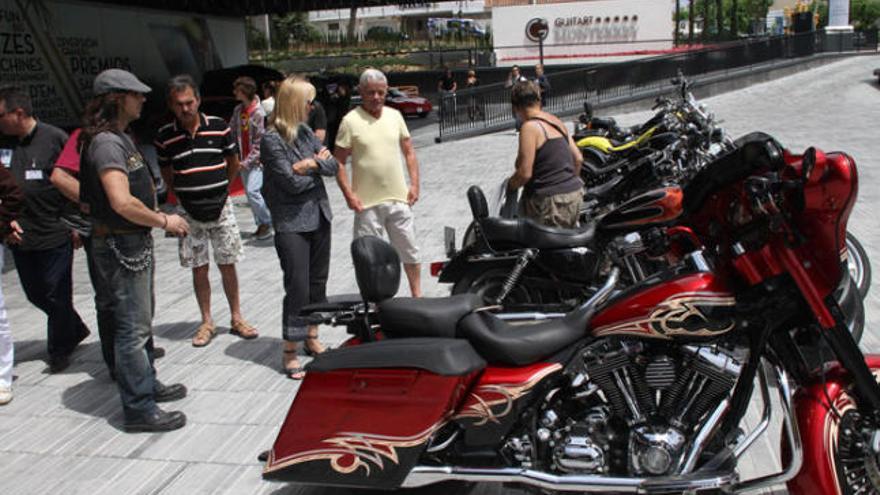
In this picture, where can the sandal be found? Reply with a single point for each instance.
(243, 329)
(204, 334)
(296, 372)
(310, 352)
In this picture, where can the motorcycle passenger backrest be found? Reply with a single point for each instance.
(376, 268)
(477, 200)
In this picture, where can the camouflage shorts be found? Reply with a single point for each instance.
(222, 234)
(559, 210)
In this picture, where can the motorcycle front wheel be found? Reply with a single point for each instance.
(859, 264)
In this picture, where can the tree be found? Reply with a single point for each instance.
(863, 14)
(295, 28)
(352, 22)
(757, 9)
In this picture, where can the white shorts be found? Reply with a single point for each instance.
(222, 234)
(396, 219)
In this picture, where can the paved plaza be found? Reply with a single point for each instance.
(62, 433)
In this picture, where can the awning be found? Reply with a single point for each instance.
(239, 8)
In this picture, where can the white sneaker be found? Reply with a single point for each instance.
(5, 395)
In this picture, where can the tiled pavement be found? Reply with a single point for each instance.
(62, 432)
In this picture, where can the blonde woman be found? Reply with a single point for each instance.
(294, 160)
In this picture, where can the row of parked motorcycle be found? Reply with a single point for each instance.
(634, 176)
(622, 356)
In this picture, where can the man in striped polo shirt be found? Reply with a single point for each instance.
(199, 158)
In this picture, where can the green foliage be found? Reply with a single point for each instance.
(747, 13)
(863, 14)
(295, 28)
(820, 6)
(256, 40)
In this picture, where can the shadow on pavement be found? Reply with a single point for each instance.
(265, 351)
(97, 397)
(180, 330)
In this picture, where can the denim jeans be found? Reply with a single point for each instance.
(130, 297)
(47, 279)
(104, 309)
(253, 183)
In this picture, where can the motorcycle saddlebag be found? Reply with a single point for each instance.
(364, 413)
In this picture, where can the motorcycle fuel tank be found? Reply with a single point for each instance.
(696, 305)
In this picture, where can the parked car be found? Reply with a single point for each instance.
(877, 74)
(408, 105)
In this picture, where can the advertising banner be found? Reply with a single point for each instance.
(582, 32)
(54, 49)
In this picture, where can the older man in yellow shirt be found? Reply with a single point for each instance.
(375, 136)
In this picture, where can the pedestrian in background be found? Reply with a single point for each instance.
(268, 103)
(375, 136)
(118, 192)
(248, 125)
(317, 121)
(548, 162)
(514, 77)
(340, 101)
(447, 86)
(475, 104)
(199, 159)
(41, 243)
(11, 204)
(543, 83)
(294, 160)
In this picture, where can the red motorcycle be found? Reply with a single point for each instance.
(642, 391)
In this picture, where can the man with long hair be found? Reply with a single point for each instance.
(118, 192)
(199, 159)
(40, 241)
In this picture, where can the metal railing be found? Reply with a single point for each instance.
(484, 109)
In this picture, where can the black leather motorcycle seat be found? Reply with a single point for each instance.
(518, 345)
(604, 122)
(526, 232)
(448, 357)
(425, 317)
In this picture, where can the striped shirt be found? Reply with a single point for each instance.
(199, 164)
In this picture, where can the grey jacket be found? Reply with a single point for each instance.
(296, 202)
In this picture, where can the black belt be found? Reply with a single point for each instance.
(101, 230)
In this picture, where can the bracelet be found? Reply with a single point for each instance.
(165, 218)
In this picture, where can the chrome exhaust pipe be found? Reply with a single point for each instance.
(427, 475)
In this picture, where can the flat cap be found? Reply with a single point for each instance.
(117, 80)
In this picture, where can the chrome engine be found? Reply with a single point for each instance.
(640, 407)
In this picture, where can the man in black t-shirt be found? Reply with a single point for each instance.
(447, 86)
(40, 242)
(317, 116)
(199, 159)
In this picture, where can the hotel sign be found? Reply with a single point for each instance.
(537, 29)
(582, 31)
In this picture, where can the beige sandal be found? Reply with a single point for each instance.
(204, 335)
(243, 329)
